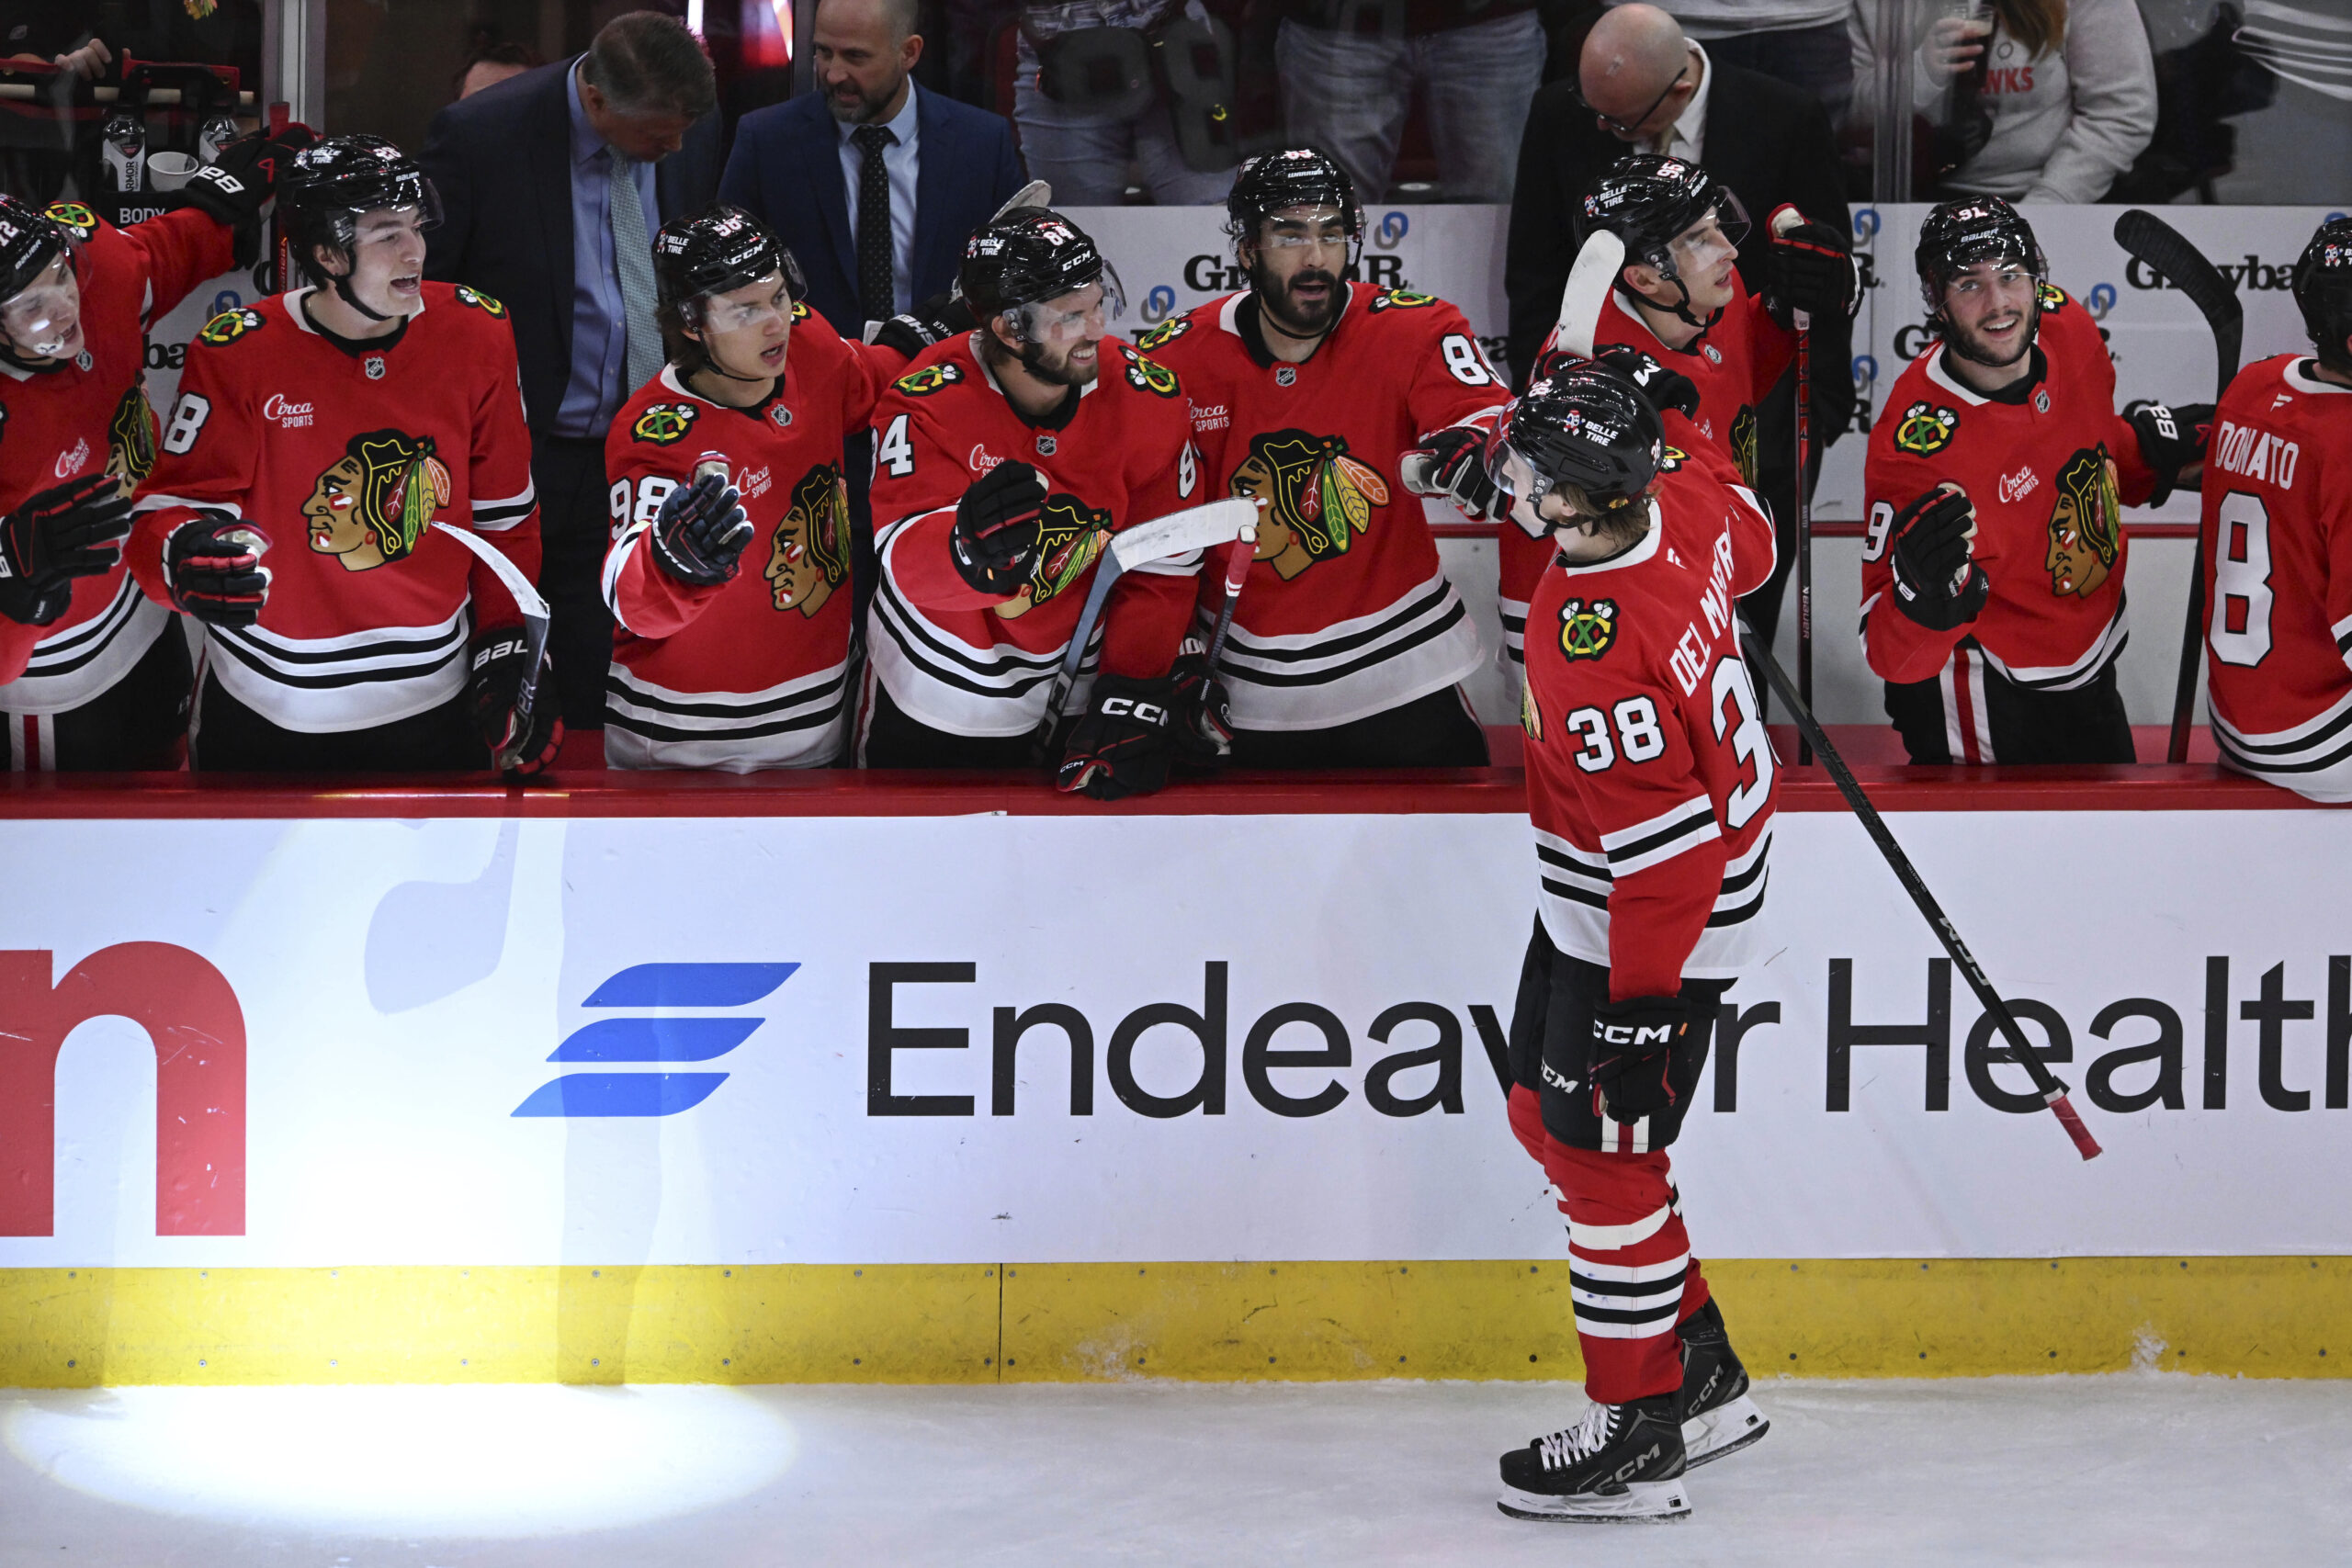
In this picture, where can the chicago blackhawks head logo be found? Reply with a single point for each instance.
(375, 503)
(1587, 628)
(1318, 498)
(1743, 443)
(1070, 536)
(130, 439)
(2086, 524)
(810, 556)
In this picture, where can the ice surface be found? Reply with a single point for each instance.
(2134, 1469)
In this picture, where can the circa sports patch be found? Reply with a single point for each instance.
(1587, 628)
(663, 423)
(929, 380)
(1926, 429)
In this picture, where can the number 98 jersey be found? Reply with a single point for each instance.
(1649, 777)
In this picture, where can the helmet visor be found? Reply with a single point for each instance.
(1711, 241)
(1083, 313)
(753, 305)
(42, 318)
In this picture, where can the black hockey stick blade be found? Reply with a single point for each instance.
(2053, 1092)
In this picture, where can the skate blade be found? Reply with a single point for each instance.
(1725, 1429)
(1641, 1503)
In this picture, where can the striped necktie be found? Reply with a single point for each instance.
(877, 288)
(633, 258)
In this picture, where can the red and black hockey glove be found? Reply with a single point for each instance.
(1809, 267)
(212, 569)
(1204, 727)
(1632, 1054)
(1451, 463)
(1122, 745)
(995, 540)
(70, 530)
(1936, 581)
(231, 189)
(2172, 438)
(938, 318)
(1663, 388)
(699, 535)
(497, 663)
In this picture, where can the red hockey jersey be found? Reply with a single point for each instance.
(969, 663)
(1649, 776)
(89, 415)
(345, 462)
(753, 672)
(1734, 364)
(2049, 467)
(1346, 611)
(2278, 533)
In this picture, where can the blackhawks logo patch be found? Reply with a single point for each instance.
(1531, 713)
(73, 215)
(1317, 498)
(228, 326)
(1070, 536)
(479, 300)
(1587, 628)
(1401, 300)
(1670, 458)
(130, 439)
(808, 553)
(1743, 444)
(1149, 375)
(2049, 295)
(1165, 332)
(663, 423)
(2086, 524)
(1926, 429)
(372, 505)
(929, 380)
(801, 310)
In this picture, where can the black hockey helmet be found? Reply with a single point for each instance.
(1021, 259)
(1959, 234)
(322, 193)
(1296, 176)
(1649, 201)
(2323, 285)
(31, 241)
(1583, 426)
(717, 249)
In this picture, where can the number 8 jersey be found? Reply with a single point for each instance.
(1649, 777)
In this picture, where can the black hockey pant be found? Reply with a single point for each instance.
(134, 725)
(1972, 713)
(230, 738)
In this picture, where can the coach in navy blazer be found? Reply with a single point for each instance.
(786, 167)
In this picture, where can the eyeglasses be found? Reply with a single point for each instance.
(1631, 127)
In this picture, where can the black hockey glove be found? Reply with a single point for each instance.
(1451, 463)
(995, 539)
(1811, 268)
(1632, 1054)
(699, 534)
(70, 530)
(1122, 745)
(1935, 582)
(233, 189)
(1204, 727)
(496, 663)
(1665, 388)
(213, 566)
(2171, 439)
(940, 317)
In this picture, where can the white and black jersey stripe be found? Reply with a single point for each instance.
(2315, 759)
(358, 681)
(2104, 650)
(1574, 887)
(1351, 669)
(1514, 618)
(495, 516)
(801, 723)
(77, 663)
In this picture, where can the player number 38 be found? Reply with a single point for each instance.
(1735, 714)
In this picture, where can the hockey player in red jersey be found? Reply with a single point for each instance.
(89, 678)
(1348, 644)
(728, 574)
(1677, 304)
(341, 429)
(1650, 782)
(1005, 460)
(2278, 538)
(1994, 553)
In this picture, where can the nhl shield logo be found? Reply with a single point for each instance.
(1285, 374)
(374, 365)
(2042, 399)
(1047, 445)
(1714, 355)
(1587, 628)
(83, 361)
(780, 416)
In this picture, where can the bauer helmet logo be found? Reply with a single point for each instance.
(1588, 629)
(663, 423)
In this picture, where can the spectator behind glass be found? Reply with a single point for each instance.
(490, 64)
(1351, 68)
(2052, 106)
(1801, 42)
(1092, 103)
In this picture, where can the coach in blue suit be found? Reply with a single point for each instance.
(805, 166)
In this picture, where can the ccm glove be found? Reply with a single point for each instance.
(995, 539)
(940, 317)
(1451, 463)
(1665, 388)
(1203, 720)
(1632, 1054)
(212, 567)
(699, 534)
(1936, 581)
(497, 663)
(72, 530)
(2171, 438)
(1122, 745)
(1810, 267)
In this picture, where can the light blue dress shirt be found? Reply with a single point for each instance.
(900, 162)
(599, 383)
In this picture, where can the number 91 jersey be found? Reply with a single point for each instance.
(1649, 777)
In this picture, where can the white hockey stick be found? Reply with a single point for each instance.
(1597, 268)
(535, 623)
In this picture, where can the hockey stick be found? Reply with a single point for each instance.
(1802, 321)
(1237, 557)
(1595, 272)
(2152, 239)
(1179, 533)
(535, 620)
(2045, 1084)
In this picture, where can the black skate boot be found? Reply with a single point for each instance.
(1718, 1417)
(1621, 1461)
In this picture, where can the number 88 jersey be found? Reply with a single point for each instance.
(1650, 776)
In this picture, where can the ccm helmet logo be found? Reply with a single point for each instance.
(1632, 1035)
(1127, 707)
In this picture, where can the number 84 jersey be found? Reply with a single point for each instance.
(1649, 777)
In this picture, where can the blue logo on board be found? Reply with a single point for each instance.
(659, 1038)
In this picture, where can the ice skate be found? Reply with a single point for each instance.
(1621, 1461)
(1718, 1417)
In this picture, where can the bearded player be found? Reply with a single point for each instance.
(342, 429)
(1993, 554)
(1004, 462)
(1348, 644)
(88, 677)
(2278, 546)
(1649, 782)
(728, 574)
